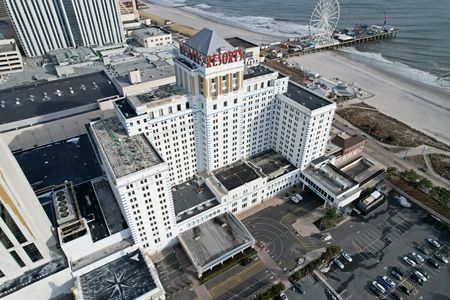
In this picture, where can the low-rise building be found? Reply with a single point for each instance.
(10, 57)
(351, 147)
(150, 37)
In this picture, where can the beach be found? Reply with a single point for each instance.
(423, 107)
(189, 19)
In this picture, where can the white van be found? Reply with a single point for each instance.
(299, 197)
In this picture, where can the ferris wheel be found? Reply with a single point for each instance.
(324, 20)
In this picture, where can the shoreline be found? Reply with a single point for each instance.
(419, 105)
(198, 21)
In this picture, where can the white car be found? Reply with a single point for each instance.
(403, 201)
(283, 296)
(295, 199)
(409, 261)
(434, 242)
(420, 275)
(379, 287)
(326, 237)
(339, 263)
(299, 197)
(442, 258)
(417, 257)
(346, 256)
(388, 281)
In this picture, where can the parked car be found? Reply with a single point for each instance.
(442, 258)
(416, 257)
(388, 281)
(299, 197)
(416, 279)
(295, 199)
(421, 276)
(434, 243)
(406, 290)
(246, 261)
(384, 283)
(423, 250)
(346, 256)
(298, 288)
(396, 296)
(339, 263)
(379, 287)
(407, 260)
(398, 270)
(374, 290)
(283, 296)
(434, 263)
(424, 272)
(326, 237)
(396, 275)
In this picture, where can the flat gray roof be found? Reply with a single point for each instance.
(126, 154)
(215, 240)
(125, 278)
(191, 198)
(150, 71)
(332, 178)
(235, 175)
(160, 93)
(256, 71)
(238, 42)
(272, 164)
(42, 98)
(305, 97)
(147, 32)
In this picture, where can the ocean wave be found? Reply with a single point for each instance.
(203, 6)
(265, 25)
(169, 2)
(400, 68)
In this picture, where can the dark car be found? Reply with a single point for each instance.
(246, 261)
(374, 290)
(423, 250)
(396, 275)
(434, 263)
(405, 290)
(398, 270)
(416, 279)
(383, 283)
(298, 288)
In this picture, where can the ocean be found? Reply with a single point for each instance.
(421, 50)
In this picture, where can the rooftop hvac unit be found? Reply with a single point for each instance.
(63, 204)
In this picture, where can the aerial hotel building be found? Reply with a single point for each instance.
(42, 25)
(222, 139)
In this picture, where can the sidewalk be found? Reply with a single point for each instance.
(274, 201)
(304, 226)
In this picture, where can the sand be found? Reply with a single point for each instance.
(189, 19)
(421, 106)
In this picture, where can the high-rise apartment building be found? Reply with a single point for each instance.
(25, 230)
(43, 25)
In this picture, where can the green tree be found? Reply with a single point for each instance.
(391, 171)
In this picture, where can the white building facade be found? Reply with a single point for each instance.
(219, 115)
(43, 25)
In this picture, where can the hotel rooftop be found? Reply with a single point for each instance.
(305, 97)
(125, 154)
(43, 98)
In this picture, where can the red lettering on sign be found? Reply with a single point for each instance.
(210, 61)
(233, 56)
(225, 58)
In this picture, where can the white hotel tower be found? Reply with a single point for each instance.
(223, 139)
(44, 25)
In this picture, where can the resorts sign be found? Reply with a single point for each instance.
(212, 60)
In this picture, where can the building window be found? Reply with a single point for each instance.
(11, 224)
(17, 258)
(32, 252)
(5, 240)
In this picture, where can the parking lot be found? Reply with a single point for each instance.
(273, 227)
(377, 243)
(173, 277)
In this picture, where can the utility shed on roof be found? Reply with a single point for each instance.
(215, 241)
